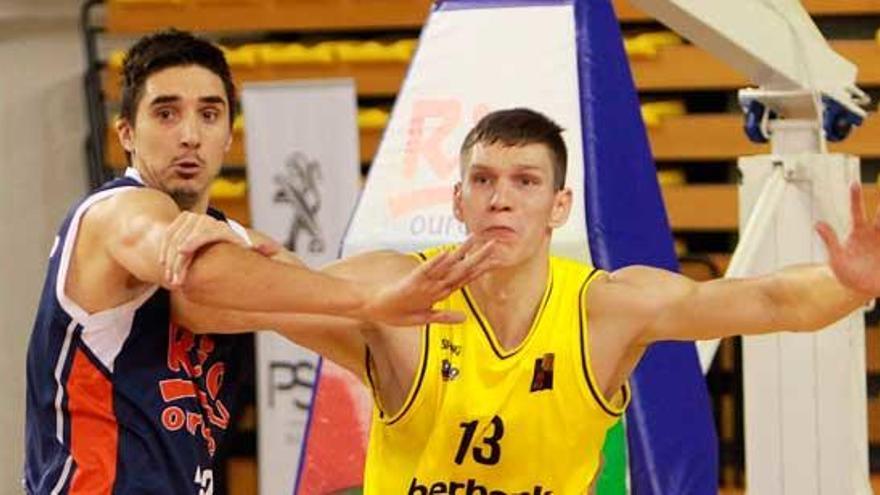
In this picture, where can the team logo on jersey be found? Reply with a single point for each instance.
(448, 371)
(448, 345)
(542, 379)
(192, 396)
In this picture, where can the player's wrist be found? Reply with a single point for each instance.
(369, 301)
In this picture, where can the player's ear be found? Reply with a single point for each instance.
(125, 133)
(561, 208)
(456, 202)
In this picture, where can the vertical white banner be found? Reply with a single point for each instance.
(303, 174)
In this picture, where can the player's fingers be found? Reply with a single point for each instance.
(476, 271)
(177, 236)
(441, 267)
(180, 260)
(209, 231)
(857, 205)
(434, 266)
(174, 257)
(466, 248)
(179, 276)
(480, 255)
(267, 249)
(185, 253)
(169, 233)
(445, 316)
(471, 267)
(829, 238)
(203, 231)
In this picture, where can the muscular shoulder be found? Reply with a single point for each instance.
(106, 267)
(124, 214)
(635, 292)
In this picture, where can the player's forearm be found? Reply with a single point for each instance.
(227, 276)
(810, 297)
(206, 319)
(335, 338)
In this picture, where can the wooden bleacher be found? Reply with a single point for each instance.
(137, 16)
(705, 72)
(658, 74)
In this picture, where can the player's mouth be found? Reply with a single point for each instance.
(186, 168)
(499, 232)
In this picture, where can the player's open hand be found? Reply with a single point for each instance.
(184, 237)
(856, 261)
(409, 301)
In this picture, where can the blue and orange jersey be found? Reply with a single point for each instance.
(123, 400)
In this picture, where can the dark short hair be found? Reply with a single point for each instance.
(170, 48)
(518, 127)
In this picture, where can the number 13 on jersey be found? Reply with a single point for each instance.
(488, 451)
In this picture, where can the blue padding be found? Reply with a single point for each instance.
(672, 440)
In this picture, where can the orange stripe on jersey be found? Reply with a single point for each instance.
(93, 431)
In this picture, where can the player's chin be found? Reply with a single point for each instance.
(506, 256)
(185, 197)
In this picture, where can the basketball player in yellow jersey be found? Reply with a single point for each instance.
(518, 398)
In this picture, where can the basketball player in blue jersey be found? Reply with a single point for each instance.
(518, 398)
(122, 397)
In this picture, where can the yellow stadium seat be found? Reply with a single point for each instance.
(245, 56)
(372, 118)
(403, 50)
(647, 45)
(671, 177)
(367, 52)
(148, 2)
(116, 59)
(227, 189)
(681, 248)
(654, 112)
(295, 53)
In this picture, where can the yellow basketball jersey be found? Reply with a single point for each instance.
(481, 420)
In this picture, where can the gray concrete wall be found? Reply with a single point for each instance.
(42, 170)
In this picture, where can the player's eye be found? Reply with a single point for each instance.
(210, 114)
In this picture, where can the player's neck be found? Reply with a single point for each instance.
(512, 282)
(201, 205)
(509, 297)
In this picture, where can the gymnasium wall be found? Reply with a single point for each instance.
(42, 171)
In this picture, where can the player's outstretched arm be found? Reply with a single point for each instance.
(341, 340)
(226, 275)
(660, 305)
